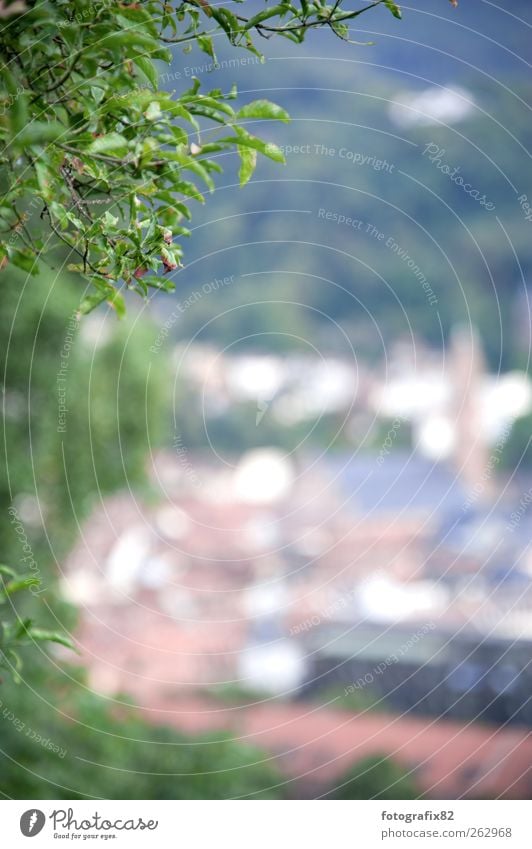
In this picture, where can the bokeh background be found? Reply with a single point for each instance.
(285, 513)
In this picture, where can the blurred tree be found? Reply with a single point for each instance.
(116, 410)
(60, 741)
(375, 778)
(82, 410)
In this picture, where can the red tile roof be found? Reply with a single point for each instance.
(315, 745)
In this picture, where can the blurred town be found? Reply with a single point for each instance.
(289, 504)
(347, 596)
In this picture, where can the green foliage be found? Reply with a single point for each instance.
(61, 741)
(54, 467)
(83, 409)
(118, 406)
(57, 739)
(375, 778)
(57, 465)
(15, 632)
(91, 146)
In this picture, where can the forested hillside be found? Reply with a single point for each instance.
(385, 217)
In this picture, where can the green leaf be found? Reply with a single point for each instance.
(187, 188)
(41, 635)
(153, 112)
(109, 221)
(128, 38)
(163, 283)
(394, 8)
(90, 302)
(26, 260)
(17, 663)
(21, 584)
(19, 113)
(139, 16)
(248, 162)
(22, 628)
(205, 44)
(110, 143)
(39, 133)
(227, 20)
(58, 211)
(246, 140)
(77, 222)
(9, 79)
(263, 110)
(148, 69)
(45, 180)
(170, 257)
(116, 301)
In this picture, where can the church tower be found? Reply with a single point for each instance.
(467, 371)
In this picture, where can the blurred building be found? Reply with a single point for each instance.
(392, 578)
(460, 674)
(315, 746)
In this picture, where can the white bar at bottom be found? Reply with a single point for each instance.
(267, 824)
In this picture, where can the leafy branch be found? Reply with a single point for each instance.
(93, 148)
(17, 632)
